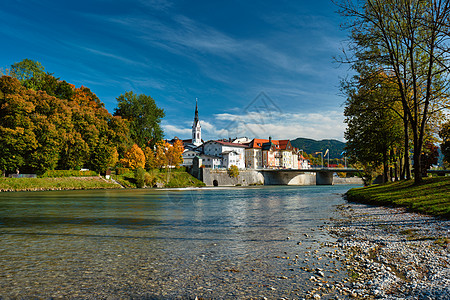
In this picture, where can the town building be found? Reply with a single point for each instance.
(229, 153)
(253, 154)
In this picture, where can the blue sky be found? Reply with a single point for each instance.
(258, 69)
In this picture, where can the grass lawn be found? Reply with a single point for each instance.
(63, 183)
(174, 179)
(431, 197)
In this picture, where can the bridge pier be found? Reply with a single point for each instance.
(324, 178)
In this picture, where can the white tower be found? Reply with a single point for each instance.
(196, 128)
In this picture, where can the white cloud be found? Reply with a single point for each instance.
(324, 125)
(171, 131)
(318, 126)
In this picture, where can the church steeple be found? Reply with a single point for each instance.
(196, 113)
(196, 128)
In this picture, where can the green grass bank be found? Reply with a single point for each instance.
(175, 178)
(50, 184)
(65, 180)
(432, 197)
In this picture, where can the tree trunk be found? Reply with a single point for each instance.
(416, 158)
(396, 170)
(385, 167)
(401, 169)
(407, 167)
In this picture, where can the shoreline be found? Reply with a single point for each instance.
(390, 253)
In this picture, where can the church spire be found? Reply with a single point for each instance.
(196, 128)
(196, 113)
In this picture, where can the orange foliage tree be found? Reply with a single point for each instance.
(174, 153)
(134, 158)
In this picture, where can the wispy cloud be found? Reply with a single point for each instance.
(323, 125)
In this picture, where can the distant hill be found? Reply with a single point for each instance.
(311, 146)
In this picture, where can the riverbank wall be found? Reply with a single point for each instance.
(349, 180)
(214, 177)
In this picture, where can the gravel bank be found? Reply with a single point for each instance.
(392, 254)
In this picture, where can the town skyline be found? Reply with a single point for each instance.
(177, 52)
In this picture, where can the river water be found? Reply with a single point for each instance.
(164, 244)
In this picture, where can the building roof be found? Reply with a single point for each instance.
(285, 145)
(276, 144)
(228, 152)
(209, 156)
(257, 143)
(229, 144)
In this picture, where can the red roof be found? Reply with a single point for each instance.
(279, 144)
(257, 143)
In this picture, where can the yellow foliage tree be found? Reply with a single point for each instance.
(174, 153)
(150, 158)
(160, 155)
(134, 158)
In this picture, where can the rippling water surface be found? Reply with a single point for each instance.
(210, 243)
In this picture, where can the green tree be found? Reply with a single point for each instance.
(409, 41)
(444, 134)
(28, 72)
(373, 130)
(144, 117)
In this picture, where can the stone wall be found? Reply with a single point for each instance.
(221, 178)
(350, 180)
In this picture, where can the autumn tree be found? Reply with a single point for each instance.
(150, 158)
(47, 123)
(17, 138)
(174, 153)
(409, 40)
(144, 117)
(160, 154)
(134, 158)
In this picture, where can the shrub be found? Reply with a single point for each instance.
(139, 175)
(233, 171)
(149, 179)
(121, 171)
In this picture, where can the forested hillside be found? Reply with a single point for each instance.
(311, 146)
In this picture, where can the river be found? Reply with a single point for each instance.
(164, 244)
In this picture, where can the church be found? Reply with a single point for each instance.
(192, 146)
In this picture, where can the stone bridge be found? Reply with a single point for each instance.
(323, 176)
(214, 177)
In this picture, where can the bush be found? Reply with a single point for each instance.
(121, 171)
(149, 179)
(233, 171)
(139, 175)
(67, 173)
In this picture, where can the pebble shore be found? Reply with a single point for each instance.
(391, 254)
